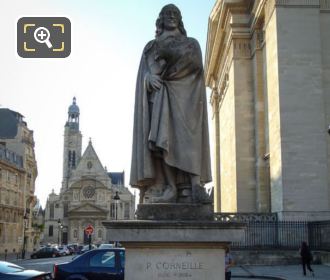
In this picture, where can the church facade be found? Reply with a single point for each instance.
(268, 65)
(87, 193)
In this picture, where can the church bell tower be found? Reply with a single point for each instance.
(72, 143)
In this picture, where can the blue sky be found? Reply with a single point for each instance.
(107, 41)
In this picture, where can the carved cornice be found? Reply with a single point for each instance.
(257, 13)
(236, 31)
(230, 41)
(222, 15)
(300, 3)
(232, 13)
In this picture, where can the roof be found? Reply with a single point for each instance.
(11, 157)
(9, 121)
(73, 109)
(117, 178)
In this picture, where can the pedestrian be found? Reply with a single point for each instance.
(228, 264)
(306, 258)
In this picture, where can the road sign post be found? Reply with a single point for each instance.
(89, 231)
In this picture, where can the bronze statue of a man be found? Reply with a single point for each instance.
(170, 154)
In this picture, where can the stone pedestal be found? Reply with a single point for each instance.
(174, 261)
(174, 211)
(171, 250)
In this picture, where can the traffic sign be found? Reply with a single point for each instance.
(89, 229)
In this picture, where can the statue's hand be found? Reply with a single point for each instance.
(153, 81)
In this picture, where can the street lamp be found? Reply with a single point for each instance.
(60, 226)
(25, 218)
(116, 199)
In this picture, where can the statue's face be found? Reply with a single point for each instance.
(171, 19)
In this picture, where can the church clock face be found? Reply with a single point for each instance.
(89, 192)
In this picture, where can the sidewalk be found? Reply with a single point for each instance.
(14, 257)
(287, 272)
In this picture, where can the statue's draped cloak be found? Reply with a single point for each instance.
(178, 124)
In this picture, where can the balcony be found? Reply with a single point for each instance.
(28, 140)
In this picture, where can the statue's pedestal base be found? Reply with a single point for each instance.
(167, 250)
(175, 261)
(174, 211)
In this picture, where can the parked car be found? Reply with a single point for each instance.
(64, 250)
(86, 248)
(79, 248)
(47, 252)
(106, 246)
(105, 264)
(73, 248)
(10, 271)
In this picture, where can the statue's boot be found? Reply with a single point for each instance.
(199, 195)
(169, 195)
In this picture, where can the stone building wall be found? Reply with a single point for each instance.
(268, 66)
(11, 201)
(325, 46)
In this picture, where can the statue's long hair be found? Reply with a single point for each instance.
(160, 20)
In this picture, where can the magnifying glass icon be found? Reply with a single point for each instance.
(41, 35)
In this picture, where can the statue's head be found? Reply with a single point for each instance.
(169, 19)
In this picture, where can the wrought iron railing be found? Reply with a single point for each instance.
(245, 217)
(265, 231)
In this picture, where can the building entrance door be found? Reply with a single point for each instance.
(65, 238)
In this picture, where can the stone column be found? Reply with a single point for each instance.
(260, 124)
(244, 125)
(216, 172)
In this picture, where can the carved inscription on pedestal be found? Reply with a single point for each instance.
(175, 264)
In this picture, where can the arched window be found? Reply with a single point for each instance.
(75, 233)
